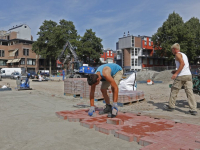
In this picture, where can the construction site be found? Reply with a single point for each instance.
(54, 115)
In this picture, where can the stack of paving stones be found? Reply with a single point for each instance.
(79, 86)
(152, 134)
(127, 96)
(73, 85)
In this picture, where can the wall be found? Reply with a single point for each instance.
(127, 57)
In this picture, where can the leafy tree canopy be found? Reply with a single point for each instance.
(170, 32)
(90, 47)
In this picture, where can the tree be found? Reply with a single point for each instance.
(90, 47)
(45, 45)
(172, 31)
(52, 37)
(192, 38)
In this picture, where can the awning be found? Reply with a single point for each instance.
(9, 61)
(18, 60)
(12, 52)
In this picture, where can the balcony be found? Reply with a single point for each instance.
(119, 57)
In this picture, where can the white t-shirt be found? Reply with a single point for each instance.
(186, 69)
(40, 78)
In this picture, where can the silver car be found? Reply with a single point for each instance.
(14, 75)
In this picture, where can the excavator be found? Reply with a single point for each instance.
(77, 70)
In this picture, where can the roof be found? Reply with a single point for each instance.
(14, 27)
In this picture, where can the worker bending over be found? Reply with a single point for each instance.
(109, 74)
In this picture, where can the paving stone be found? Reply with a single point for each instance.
(153, 134)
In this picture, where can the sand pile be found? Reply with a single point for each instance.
(154, 75)
(164, 76)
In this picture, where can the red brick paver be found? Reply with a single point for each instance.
(152, 134)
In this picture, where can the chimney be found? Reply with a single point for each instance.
(128, 33)
(124, 34)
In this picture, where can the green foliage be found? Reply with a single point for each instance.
(192, 38)
(90, 47)
(171, 32)
(174, 30)
(45, 44)
(53, 36)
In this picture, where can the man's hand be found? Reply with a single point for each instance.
(91, 111)
(174, 76)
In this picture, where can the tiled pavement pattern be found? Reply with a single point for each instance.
(152, 134)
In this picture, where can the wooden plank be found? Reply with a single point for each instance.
(120, 104)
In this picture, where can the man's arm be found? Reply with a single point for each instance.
(182, 64)
(108, 77)
(92, 94)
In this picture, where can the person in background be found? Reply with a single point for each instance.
(27, 78)
(18, 82)
(109, 74)
(182, 77)
(63, 72)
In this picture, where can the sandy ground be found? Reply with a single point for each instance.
(28, 120)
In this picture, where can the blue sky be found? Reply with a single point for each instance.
(109, 19)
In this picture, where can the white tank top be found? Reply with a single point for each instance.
(186, 69)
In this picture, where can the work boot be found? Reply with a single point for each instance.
(106, 110)
(114, 112)
(193, 112)
(168, 108)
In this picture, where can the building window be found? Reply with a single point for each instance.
(151, 61)
(110, 53)
(107, 53)
(132, 51)
(16, 53)
(161, 62)
(145, 42)
(144, 61)
(26, 52)
(149, 41)
(22, 62)
(156, 62)
(1, 53)
(3, 62)
(132, 62)
(132, 40)
(136, 51)
(30, 61)
(166, 62)
(136, 62)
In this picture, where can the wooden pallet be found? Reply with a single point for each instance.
(38, 80)
(128, 103)
(22, 89)
(76, 95)
(98, 99)
(5, 89)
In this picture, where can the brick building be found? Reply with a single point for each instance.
(137, 53)
(108, 56)
(16, 49)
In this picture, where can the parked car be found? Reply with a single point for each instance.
(44, 73)
(14, 75)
